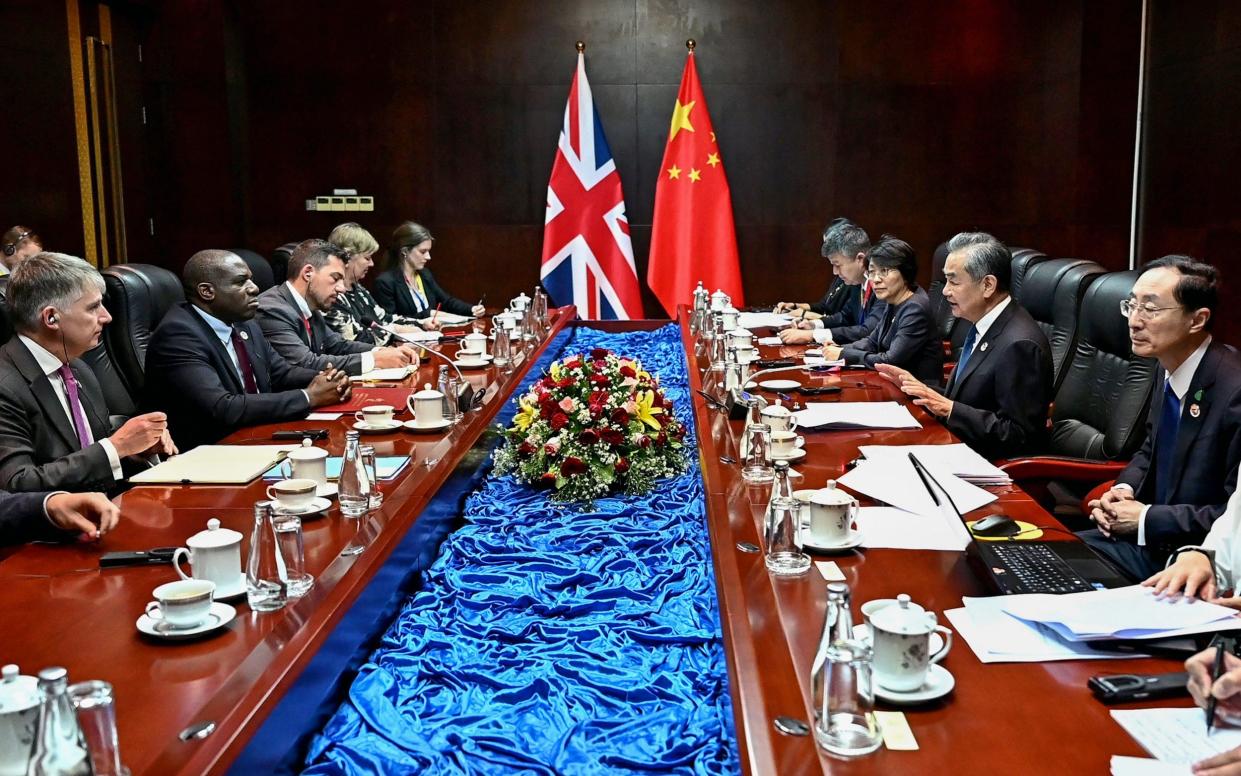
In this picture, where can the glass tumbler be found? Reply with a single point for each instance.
(293, 549)
(371, 464)
(782, 553)
(757, 445)
(846, 724)
(96, 714)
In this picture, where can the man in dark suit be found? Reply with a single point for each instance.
(843, 242)
(999, 392)
(862, 310)
(28, 517)
(210, 368)
(54, 428)
(291, 316)
(1181, 479)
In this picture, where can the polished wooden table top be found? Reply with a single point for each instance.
(1001, 718)
(62, 609)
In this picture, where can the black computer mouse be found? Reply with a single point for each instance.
(995, 525)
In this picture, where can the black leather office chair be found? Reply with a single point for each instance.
(121, 404)
(1098, 419)
(1023, 259)
(944, 319)
(137, 295)
(260, 268)
(1052, 293)
(280, 262)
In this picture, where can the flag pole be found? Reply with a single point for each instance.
(690, 44)
(580, 46)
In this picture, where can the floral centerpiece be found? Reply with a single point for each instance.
(595, 423)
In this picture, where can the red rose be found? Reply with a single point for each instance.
(565, 382)
(548, 479)
(551, 449)
(547, 410)
(622, 465)
(644, 441)
(599, 379)
(572, 466)
(662, 439)
(588, 437)
(627, 371)
(619, 416)
(525, 448)
(613, 436)
(559, 420)
(599, 354)
(573, 363)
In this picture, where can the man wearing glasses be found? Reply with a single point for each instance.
(1180, 481)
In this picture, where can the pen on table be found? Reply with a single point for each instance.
(435, 314)
(922, 476)
(1216, 670)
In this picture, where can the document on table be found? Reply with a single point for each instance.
(1143, 766)
(451, 319)
(856, 414)
(895, 481)
(215, 465)
(958, 459)
(997, 637)
(885, 527)
(416, 336)
(770, 341)
(1121, 613)
(386, 375)
(324, 416)
(1176, 735)
(761, 320)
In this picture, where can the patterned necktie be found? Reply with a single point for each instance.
(243, 362)
(1165, 443)
(75, 407)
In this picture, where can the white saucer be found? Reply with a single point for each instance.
(233, 591)
(934, 645)
(855, 540)
(315, 506)
(326, 490)
(430, 428)
(939, 682)
(779, 385)
(796, 455)
(367, 428)
(219, 616)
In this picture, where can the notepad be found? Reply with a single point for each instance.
(215, 465)
(388, 375)
(1176, 735)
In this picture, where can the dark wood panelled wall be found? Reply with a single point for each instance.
(915, 117)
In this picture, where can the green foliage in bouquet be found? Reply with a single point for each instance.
(596, 423)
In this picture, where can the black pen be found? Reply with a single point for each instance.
(1216, 670)
(918, 468)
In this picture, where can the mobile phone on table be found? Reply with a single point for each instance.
(299, 435)
(818, 390)
(1123, 688)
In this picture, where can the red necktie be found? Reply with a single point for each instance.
(309, 337)
(866, 289)
(243, 362)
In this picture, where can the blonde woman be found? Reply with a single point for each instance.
(355, 309)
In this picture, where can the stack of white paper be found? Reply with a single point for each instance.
(894, 480)
(416, 336)
(758, 320)
(887, 528)
(770, 341)
(1177, 736)
(856, 414)
(1142, 766)
(1133, 612)
(392, 374)
(998, 637)
(959, 459)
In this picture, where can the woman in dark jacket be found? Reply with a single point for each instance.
(907, 336)
(408, 288)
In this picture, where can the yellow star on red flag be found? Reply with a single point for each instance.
(680, 119)
(695, 175)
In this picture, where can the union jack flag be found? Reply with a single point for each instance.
(587, 253)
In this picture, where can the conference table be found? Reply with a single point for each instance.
(62, 609)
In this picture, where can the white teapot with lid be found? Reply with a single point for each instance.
(19, 719)
(214, 555)
(902, 638)
(427, 406)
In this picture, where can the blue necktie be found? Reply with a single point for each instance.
(1165, 443)
(967, 350)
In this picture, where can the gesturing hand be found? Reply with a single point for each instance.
(90, 514)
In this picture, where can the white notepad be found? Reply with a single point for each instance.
(215, 465)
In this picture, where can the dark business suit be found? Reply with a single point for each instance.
(22, 519)
(833, 300)
(1204, 463)
(281, 320)
(1000, 400)
(394, 295)
(191, 377)
(856, 320)
(906, 338)
(39, 448)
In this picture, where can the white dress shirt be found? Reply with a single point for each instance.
(225, 332)
(50, 364)
(368, 359)
(1180, 380)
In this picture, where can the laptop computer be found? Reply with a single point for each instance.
(1033, 566)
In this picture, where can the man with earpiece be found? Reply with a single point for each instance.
(54, 427)
(17, 245)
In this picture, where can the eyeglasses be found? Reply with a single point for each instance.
(1144, 312)
(876, 273)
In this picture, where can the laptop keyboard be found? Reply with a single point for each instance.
(1034, 568)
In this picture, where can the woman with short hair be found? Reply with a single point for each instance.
(356, 309)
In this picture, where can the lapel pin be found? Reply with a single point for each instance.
(1194, 410)
(245, 335)
(983, 347)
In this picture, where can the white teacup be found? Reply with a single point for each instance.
(308, 463)
(870, 607)
(293, 494)
(778, 418)
(784, 443)
(902, 636)
(832, 512)
(184, 603)
(375, 415)
(473, 344)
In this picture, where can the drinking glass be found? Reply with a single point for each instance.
(783, 554)
(96, 714)
(757, 445)
(371, 464)
(293, 549)
(846, 721)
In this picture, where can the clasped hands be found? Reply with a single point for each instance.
(932, 401)
(1116, 512)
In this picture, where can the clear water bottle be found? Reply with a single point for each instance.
(353, 485)
(846, 723)
(501, 349)
(266, 577)
(59, 746)
(837, 626)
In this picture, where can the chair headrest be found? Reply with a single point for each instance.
(137, 296)
(1046, 282)
(260, 269)
(1102, 324)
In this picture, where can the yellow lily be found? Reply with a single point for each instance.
(527, 415)
(555, 370)
(646, 409)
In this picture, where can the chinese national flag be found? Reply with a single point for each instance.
(692, 237)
